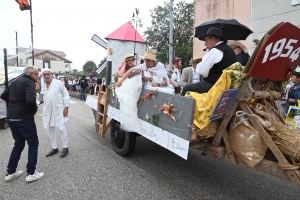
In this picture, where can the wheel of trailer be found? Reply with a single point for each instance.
(122, 141)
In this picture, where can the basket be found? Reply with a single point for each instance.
(208, 131)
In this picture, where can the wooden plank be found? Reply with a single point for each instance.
(99, 124)
(244, 93)
(101, 114)
(266, 137)
(229, 151)
(102, 102)
(98, 117)
(104, 126)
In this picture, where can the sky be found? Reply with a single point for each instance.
(68, 25)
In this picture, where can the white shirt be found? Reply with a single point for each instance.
(196, 77)
(209, 59)
(176, 76)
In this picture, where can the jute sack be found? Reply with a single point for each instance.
(245, 140)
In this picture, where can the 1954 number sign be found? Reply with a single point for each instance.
(277, 49)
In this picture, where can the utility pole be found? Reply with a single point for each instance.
(5, 68)
(171, 34)
(17, 49)
(31, 33)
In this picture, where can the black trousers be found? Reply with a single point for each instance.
(200, 87)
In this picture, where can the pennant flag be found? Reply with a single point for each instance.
(23, 4)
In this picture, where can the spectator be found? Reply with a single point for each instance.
(189, 74)
(21, 99)
(83, 85)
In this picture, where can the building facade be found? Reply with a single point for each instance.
(267, 13)
(54, 60)
(259, 15)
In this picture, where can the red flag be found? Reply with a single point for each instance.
(23, 4)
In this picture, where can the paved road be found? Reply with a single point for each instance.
(93, 170)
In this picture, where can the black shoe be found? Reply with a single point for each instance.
(52, 152)
(64, 152)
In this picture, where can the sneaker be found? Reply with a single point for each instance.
(64, 152)
(9, 177)
(34, 177)
(52, 152)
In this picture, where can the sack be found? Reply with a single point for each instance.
(245, 140)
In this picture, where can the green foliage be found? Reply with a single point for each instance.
(75, 70)
(89, 66)
(157, 35)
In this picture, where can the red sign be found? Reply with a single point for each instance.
(279, 54)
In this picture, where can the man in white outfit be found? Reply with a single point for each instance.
(55, 110)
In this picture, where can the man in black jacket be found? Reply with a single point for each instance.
(21, 99)
(219, 57)
(83, 85)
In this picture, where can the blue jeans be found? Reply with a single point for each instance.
(82, 94)
(24, 130)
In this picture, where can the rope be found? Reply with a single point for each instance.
(243, 116)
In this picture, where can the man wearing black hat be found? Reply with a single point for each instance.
(219, 57)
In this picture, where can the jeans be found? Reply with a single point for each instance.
(200, 87)
(24, 130)
(82, 94)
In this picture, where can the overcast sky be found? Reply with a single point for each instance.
(68, 25)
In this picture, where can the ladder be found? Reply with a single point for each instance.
(101, 114)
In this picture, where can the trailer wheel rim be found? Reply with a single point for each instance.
(119, 137)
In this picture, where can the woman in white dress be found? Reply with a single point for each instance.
(154, 74)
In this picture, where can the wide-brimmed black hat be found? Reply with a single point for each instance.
(213, 31)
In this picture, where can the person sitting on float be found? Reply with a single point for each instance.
(219, 57)
(154, 74)
(240, 51)
(127, 64)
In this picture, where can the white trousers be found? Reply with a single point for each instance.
(63, 134)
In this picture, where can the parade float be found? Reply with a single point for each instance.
(237, 119)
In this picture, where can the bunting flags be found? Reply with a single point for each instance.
(23, 4)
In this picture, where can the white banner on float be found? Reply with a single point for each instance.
(92, 102)
(161, 137)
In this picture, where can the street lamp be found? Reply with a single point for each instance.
(138, 22)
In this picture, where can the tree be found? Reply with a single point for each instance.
(157, 35)
(89, 66)
(75, 70)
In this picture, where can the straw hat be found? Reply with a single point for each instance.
(197, 59)
(149, 54)
(237, 43)
(129, 57)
